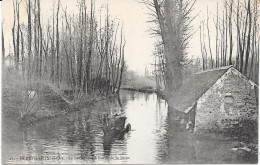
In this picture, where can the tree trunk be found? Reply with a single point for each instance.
(248, 38)
(3, 49)
(170, 33)
(230, 34)
(29, 32)
(57, 44)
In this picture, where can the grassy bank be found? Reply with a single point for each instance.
(44, 105)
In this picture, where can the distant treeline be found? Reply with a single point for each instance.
(135, 81)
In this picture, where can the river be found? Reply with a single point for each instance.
(77, 138)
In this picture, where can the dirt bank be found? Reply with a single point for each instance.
(46, 105)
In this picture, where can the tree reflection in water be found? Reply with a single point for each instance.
(79, 134)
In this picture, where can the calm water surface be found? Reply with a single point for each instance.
(78, 138)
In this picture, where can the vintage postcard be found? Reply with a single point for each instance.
(129, 81)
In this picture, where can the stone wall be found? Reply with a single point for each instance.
(180, 121)
(231, 99)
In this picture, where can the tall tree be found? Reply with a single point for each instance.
(248, 37)
(16, 43)
(211, 56)
(57, 44)
(174, 18)
(89, 59)
(230, 33)
(29, 39)
(3, 48)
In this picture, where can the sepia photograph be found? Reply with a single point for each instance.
(129, 81)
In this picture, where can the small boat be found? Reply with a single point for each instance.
(115, 125)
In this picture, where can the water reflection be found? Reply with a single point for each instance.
(144, 143)
(78, 138)
(181, 144)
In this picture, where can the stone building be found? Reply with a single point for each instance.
(214, 99)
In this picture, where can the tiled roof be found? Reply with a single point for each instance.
(186, 96)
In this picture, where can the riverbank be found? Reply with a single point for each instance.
(144, 90)
(81, 134)
(47, 105)
(148, 90)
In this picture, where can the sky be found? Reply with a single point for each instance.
(139, 42)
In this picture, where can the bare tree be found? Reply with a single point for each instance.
(75, 50)
(3, 48)
(29, 39)
(230, 32)
(57, 43)
(16, 40)
(217, 49)
(211, 59)
(248, 37)
(173, 18)
(247, 33)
